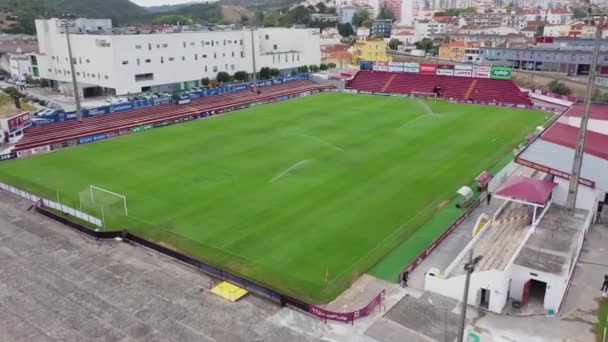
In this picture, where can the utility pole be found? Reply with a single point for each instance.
(68, 20)
(469, 267)
(255, 83)
(582, 132)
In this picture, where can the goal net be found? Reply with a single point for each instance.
(108, 205)
(423, 95)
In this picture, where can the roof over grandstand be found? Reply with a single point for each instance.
(598, 112)
(529, 190)
(553, 150)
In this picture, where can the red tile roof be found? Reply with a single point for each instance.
(559, 11)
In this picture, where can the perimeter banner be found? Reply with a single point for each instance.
(428, 69)
(503, 73)
(347, 317)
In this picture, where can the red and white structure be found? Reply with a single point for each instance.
(531, 244)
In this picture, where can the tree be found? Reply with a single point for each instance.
(360, 16)
(259, 16)
(331, 65)
(244, 19)
(599, 96)
(425, 44)
(15, 94)
(265, 73)
(323, 67)
(393, 44)
(579, 13)
(223, 77)
(367, 23)
(386, 13)
(205, 81)
(303, 69)
(172, 19)
(540, 30)
(275, 72)
(313, 68)
(321, 7)
(240, 76)
(345, 29)
(558, 87)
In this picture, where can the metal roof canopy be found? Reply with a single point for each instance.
(525, 190)
(534, 192)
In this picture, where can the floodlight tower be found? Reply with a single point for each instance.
(582, 132)
(255, 83)
(67, 21)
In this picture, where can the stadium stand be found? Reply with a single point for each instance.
(457, 88)
(70, 130)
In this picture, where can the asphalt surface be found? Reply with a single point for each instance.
(58, 285)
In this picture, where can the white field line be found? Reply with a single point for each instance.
(412, 121)
(322, 141)
(289, 169)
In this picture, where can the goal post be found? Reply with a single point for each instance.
(423, 95)
(95, 189)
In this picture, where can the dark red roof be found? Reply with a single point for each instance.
(527, 189)
(596, 144)
(598, 112)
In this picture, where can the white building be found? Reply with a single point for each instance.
(20, 66)
(108, 62)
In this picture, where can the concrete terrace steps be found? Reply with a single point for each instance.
(500, 249)
(66, 131)
(458, 88)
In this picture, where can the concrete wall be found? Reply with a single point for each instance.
(556, 285)
(586, 197)
(495, 281)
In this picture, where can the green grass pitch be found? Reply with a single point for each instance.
(302, 196)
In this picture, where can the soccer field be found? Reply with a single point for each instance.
(302, 196)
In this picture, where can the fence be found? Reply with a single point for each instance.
(127, 106)
(53, 205)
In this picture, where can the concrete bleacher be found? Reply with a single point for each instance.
(71, 130)
(456, 88)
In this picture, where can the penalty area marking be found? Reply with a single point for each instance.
(289, 169)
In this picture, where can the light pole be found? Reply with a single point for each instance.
(255, 83)
(582, 132)
(66, 21)
(470, 268)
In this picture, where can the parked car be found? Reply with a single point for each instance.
(114, 100)
(55, 106)
(46, 112)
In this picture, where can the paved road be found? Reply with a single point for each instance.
(58, 285)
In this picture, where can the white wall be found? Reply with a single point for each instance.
(586, 198)
(20, 66)
(556, 285)
(113, 61)
(495, 281)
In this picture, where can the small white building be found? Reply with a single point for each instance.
(20, 66)
(115, 62)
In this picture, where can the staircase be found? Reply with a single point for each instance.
(388, 83)
(467, 95)
(480, 225)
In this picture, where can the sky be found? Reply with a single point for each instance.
(161, 2)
